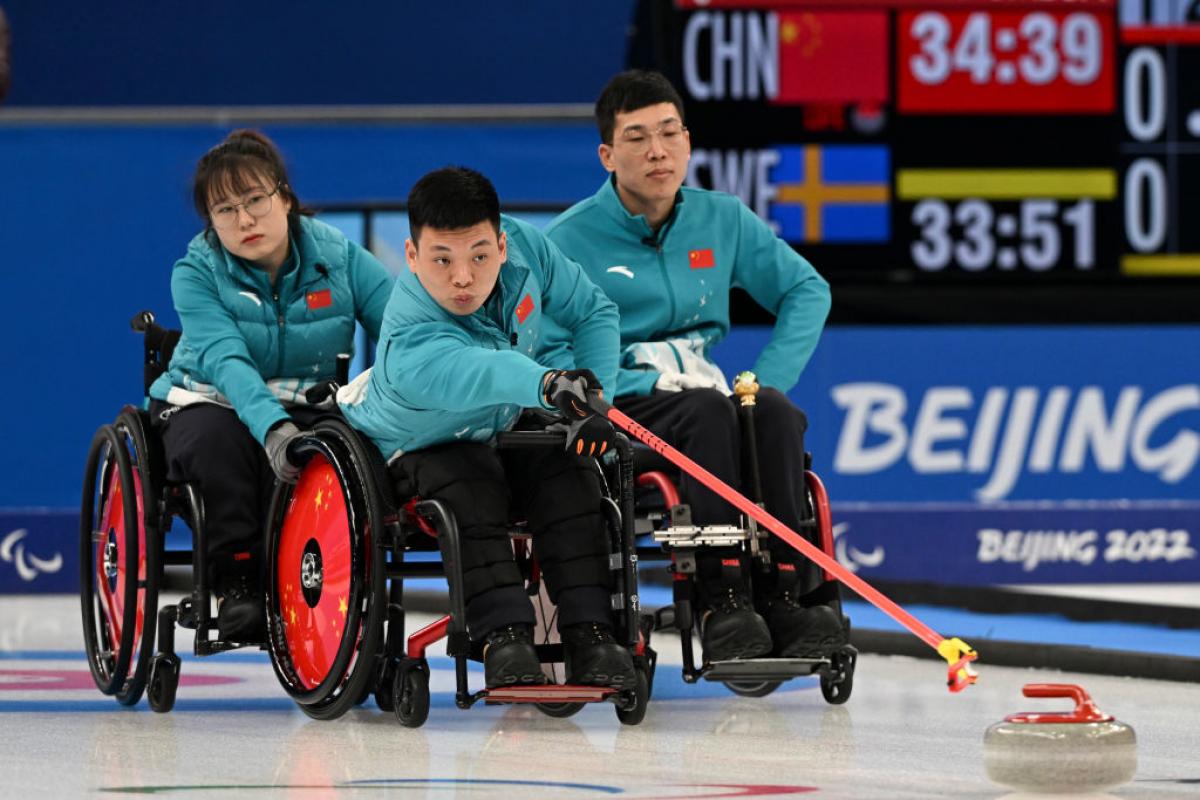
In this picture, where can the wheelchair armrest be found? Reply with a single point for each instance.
(315, 395)
(530, 432)
(513, 440)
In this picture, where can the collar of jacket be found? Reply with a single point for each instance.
(635, 224)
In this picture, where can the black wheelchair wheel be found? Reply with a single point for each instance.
(164, 682)
(133, 426)
(837, 681)
(325, 591)
(752, 688)
(631, 710)
(559, 710)
(118, 561)
(410, 691)
(371, 685)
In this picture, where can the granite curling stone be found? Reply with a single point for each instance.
(1083, 750)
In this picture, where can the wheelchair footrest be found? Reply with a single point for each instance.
(706, 535)
(763, 669)
(547, 693)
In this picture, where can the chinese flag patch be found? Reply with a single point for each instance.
(319, 299)
(524, 309)
(701, 259)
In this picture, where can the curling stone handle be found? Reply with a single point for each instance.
(1085, 709)
(1077, 693)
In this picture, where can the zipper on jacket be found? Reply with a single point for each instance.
(662, 266)
(282, 330)
(656, 242)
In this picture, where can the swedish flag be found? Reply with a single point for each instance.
(832, 193)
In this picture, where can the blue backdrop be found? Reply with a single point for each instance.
(93, 219)
(225, 52)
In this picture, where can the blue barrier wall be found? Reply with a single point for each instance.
(983, 456)
(952, 455)
(965, 415)
(222, 52)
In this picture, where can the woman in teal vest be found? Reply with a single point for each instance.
(267, 297)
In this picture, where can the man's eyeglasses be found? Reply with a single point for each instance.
(257, 204)
(639, 140)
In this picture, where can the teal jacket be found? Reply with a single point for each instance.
(442, 377)
(673, 290)
(254, 347)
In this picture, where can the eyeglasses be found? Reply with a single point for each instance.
(257, 204)
(638, 140)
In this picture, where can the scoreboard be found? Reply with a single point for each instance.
(951, 140)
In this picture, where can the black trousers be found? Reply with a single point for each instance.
(208, 446)
(557, 493)
(703, 424)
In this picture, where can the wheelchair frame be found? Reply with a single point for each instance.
(126, 461)
(677, 542)
(373, 654)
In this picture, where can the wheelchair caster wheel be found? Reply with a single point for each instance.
(559, 710)
(837, 680)
(164, 682)
(752, 688)
(410, 693)
(633, 710)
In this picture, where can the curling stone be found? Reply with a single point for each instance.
(1083, 750)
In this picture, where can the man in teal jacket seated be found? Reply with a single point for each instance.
(668, 256)
(458, 359)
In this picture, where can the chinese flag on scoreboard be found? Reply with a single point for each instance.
(833, 57)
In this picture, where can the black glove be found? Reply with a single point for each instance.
(567, 389)
(588, 434)
(588, 437)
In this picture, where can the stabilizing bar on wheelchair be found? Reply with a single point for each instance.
(957, 653)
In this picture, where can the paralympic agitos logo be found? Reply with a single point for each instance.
(28, 566)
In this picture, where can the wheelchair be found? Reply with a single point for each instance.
(666, 522)
(127, 509)
(341, 543)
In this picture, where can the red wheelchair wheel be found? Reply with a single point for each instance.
(315, 560)
(118, 574)
(323, 606)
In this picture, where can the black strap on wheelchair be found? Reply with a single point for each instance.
(158, 345)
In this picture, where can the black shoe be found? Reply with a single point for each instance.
(799, 632)
(731, 628)
(509, 658)
(594, 658)
(241, 616)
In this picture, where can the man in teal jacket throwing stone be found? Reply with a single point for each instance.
(459, 357)
(668, 255)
